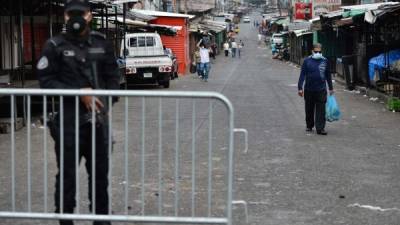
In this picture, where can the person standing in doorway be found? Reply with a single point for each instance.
(234, 47)
(204, 61)
(315, 72)
(70, 61)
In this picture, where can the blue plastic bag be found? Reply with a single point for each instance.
(332, 109)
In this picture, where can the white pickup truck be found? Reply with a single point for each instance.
(146, 60)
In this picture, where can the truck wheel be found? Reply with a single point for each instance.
(165, 84)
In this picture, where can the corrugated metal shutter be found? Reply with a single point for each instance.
(179, 43)
(178, 47)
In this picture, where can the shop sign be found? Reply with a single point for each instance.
(303, 11)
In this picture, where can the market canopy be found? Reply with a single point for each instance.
(205, 28)
(333, 14)
(282, 21)
(369, 11)
(300, 33)
(367, 7)
(353, 13)
(159, 13)
(299, 25)
(372, 16)
(117, 9)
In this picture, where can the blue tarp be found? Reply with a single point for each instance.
(378, 62)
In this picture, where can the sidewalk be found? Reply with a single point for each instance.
(372, 93)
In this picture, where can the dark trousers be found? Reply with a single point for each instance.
(226, 53)
(315, 109)
(85, 150)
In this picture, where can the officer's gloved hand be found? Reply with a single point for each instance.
(88, 100)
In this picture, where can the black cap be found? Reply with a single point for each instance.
(79, 5)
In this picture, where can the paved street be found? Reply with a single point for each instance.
(288, 176)
(291, 177)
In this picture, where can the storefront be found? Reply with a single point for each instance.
(300, 42)
(357, 34)
(25, 27)
(178, 43)
(383, 48)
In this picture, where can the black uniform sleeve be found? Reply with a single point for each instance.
(48, 68)
(110, 68)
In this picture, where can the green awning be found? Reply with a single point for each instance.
(353, 13)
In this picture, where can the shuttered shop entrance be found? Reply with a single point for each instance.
(179, 43)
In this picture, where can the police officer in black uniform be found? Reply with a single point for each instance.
(80, 59)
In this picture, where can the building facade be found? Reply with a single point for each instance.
(194, 6)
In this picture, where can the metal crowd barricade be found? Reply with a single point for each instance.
(203, 196)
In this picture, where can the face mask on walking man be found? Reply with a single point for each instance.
(313, 81)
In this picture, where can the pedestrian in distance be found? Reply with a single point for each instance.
(70, 61)
(234, 47)
(316, 75)
(197, 62)
(240, 47)
(204, 61)
(226, 49)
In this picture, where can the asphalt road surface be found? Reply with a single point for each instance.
(288, 176)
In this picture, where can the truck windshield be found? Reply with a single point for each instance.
(141, 42)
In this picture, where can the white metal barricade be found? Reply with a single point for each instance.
(172, 159)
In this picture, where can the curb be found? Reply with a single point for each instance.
(372, 93)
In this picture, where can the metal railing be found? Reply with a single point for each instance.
(183, 143)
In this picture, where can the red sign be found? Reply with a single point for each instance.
(303, 11)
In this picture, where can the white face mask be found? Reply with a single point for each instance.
(317, 55)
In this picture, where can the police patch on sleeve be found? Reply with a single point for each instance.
(43, 63)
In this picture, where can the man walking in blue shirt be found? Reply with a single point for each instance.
(315, 72)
